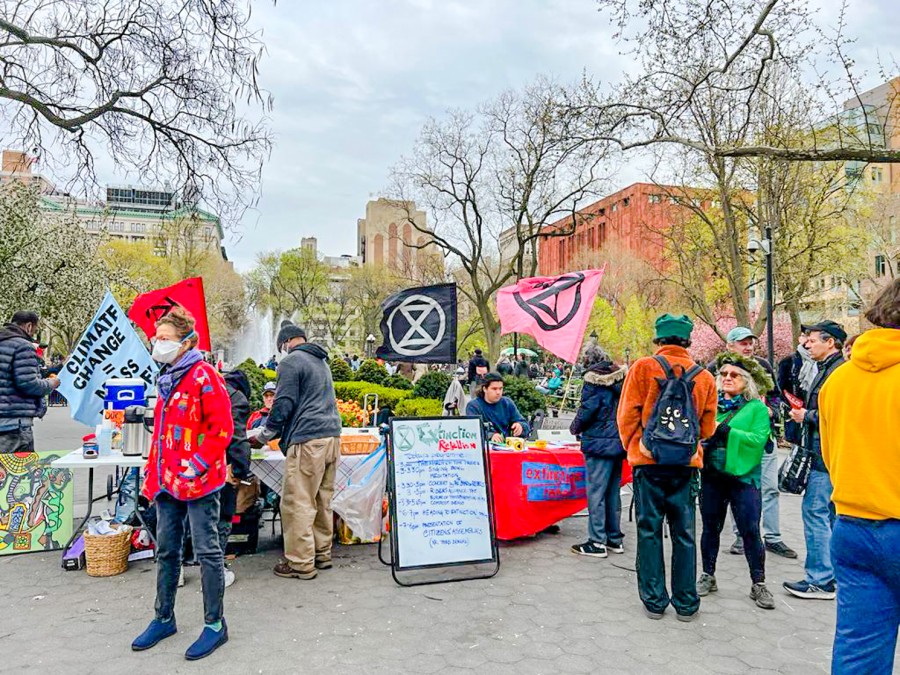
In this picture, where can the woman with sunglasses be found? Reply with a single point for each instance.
(731, 472)
(185, 472)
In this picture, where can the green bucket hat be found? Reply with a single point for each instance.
(674, 326)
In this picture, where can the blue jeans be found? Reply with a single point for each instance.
(866, 555)
(818, 521)
(604, 501)
(771, 529)
(203, 518)
(717, 492)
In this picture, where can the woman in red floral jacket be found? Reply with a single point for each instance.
(184, 474)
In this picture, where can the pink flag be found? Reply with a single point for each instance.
(554, 310)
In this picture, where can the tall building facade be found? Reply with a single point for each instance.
(634, 217)
(130, 213)
(387, 238)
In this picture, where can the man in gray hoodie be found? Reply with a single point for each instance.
(306, 419)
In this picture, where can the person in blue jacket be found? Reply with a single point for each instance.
(500, 415)
(595, 422)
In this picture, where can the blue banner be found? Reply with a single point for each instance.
(109, 348)
(551, 482)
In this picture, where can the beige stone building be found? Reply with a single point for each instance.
(386, 237)
(128, 212)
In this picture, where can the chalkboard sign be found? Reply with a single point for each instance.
(441, 508)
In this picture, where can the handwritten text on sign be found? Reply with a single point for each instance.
(441, 492)
(552, 482)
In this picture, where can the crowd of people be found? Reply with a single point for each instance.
(696, 435)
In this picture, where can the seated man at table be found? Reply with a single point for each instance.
(500, 415)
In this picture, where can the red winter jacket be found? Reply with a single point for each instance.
(192, 428)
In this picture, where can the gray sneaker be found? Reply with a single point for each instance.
(706, 584)
(737, 548)
(762, 596)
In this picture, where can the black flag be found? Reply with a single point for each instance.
(419, 325)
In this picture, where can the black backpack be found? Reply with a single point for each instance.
(673, 430)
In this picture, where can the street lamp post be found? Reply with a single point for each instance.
(766, 247)
(370, 346)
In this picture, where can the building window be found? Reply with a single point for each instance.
(626, 201)
(673, 200)
(116, 227)
(653, 199)
(602, 233)
(139, 227)
(602, 212)
(880, 266)
(614, 207)
(209, 232)
(877, 174)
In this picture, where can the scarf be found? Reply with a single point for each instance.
(726, 405)
(171, 375)
(808, 369)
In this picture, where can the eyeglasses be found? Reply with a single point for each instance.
(730, 374)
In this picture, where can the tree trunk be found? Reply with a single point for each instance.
(491, 333)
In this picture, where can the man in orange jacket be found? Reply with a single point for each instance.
(859, 421)
(666, 485)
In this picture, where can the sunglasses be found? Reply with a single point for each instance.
(730, 374)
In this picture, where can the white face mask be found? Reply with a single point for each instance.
(165, 351)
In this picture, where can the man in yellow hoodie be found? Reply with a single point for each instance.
(860, 426)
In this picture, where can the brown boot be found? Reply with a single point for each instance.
(284, 569)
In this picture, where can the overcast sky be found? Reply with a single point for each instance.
(354, 81)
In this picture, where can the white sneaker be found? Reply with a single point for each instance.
(180, 577)
(229, 577)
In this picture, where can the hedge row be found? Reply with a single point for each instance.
(419, 407)
(356, 391)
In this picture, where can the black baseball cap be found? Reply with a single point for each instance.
(832, 328)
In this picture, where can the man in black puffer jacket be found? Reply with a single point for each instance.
(22, 390)
(603, 452)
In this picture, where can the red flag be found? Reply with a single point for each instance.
(150, 306)
(555, 310)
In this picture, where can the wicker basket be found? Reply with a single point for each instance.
(358, 444)
(106, 555)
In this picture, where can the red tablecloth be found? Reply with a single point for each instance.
(537, 488)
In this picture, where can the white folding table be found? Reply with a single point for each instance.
(76, 460)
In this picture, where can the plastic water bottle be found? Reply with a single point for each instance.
(104, 438)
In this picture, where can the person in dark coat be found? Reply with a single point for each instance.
(521, 368)
(478, 367)
(603, 452)
(237, 455)
(22, 391)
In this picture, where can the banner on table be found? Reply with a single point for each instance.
(109, 348)
(418, 325)
(149, 307)
(35, 503)
(554, 310)
(553, 482)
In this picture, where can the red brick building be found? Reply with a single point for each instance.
(634, 217)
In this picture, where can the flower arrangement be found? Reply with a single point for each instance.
(352, 414)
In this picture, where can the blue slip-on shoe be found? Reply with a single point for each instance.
(208, 642)
(154, 634)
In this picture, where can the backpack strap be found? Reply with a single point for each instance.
(692, 373)
(667, 369)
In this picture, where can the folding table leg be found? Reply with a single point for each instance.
(90, 506)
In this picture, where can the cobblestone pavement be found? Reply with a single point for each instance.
(547, 611)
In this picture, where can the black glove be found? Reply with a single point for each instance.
(721, 434)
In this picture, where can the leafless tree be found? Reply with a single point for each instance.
(693, 51)
(490, 182)
(164, 89)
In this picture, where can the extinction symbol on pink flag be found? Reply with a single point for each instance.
(554, 310)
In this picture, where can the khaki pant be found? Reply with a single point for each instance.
(309, 470)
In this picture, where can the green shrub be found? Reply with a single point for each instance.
(340, 371)
(257, 379)
(419, 407)
(432, 385)
(371, 371)
(397, 382)
(524, 394)
(356, 391)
